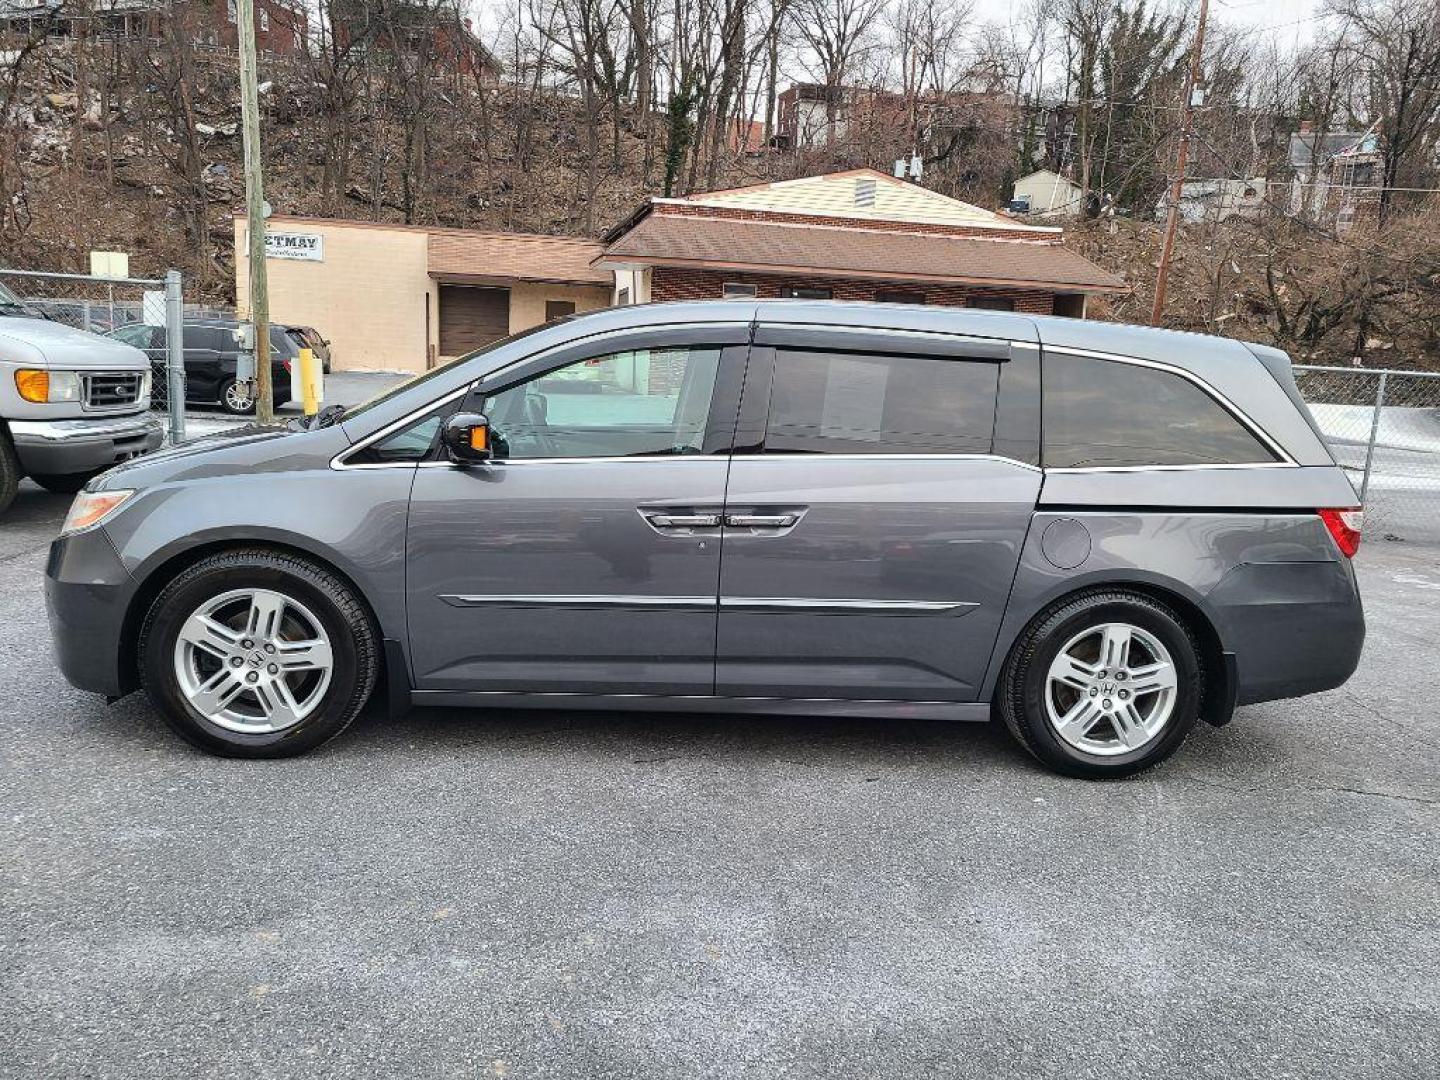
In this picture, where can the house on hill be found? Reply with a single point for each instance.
(854, 235)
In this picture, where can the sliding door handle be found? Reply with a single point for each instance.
(684, 521)
(761, 521)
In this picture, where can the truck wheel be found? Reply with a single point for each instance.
(234, 398)
(63, 483)
(9, 473)
(1103, 685)
(258, 654)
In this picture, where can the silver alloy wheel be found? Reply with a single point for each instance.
(236, 399)
(1111, 689)
(253, 661)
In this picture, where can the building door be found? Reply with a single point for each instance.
(871, 535)
(558, 309)
(471, 316)
(585, 557)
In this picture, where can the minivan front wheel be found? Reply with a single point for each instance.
(1103, 685)
(258, 654)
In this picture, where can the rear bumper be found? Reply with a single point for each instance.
(87, 592)
(81, 445)
(1294, 628)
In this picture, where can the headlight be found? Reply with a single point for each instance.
(44, 387)
(145, 388)
(90, 508)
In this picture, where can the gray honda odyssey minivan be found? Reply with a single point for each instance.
(1102, 534)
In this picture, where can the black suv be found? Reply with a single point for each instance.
(211, 353)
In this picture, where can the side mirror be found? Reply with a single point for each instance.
(466, 438)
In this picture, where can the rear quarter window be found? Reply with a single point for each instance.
(1110, 414)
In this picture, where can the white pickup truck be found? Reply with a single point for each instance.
(72, 404)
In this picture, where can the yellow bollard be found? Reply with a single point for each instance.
(308, 372)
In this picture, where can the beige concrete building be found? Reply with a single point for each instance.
(404, 298)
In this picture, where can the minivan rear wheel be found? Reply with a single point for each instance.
(1103, 685)
(258, 654)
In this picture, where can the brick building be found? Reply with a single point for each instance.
(281, 26)
(854, 235)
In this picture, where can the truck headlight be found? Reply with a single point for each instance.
(90, 508)
(45, 387)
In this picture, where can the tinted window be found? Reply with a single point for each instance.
(851, 404)
(209, 337)
(1105, 413)
(648, 401)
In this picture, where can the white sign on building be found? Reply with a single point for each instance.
(307, 246)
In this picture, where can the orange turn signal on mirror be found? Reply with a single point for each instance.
(33, 385)
(479, 438)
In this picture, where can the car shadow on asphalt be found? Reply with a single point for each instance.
(644, 738)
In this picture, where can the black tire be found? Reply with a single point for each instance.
(1022, 687)
(234, 408)
(63, 483)
(343, 615)
(9, 472)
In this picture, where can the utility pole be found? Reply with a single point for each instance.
(255, 210)
(1177, 186)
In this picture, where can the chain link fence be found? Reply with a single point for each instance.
(1384, 429)
(101, 316)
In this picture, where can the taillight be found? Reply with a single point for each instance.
(287, 365)
(1344, 525)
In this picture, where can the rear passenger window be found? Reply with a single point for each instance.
(834, 403)
(1103, 413)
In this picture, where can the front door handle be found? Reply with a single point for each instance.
(684, 521)
(761, 521)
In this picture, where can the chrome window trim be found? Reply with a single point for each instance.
(1239, 414)
(821, 456)
(513, 463)
(1077, 469)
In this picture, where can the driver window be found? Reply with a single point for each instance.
(642, 402)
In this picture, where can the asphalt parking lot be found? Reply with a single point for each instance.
(466, 894)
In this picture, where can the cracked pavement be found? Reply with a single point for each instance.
(548, 894)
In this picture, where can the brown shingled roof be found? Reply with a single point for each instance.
(474, 256)
(722, 243)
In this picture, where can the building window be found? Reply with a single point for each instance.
(898, 296)
(796, 292)
(735, 291)
(230, 10)
(264, 21)
(990, 303)
(558, 309)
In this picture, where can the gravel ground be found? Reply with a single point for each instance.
(467, 894)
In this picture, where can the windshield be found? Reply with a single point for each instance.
(426, 376)
(8, 299)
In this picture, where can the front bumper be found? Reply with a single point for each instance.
(87, 593)
(83, 445)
